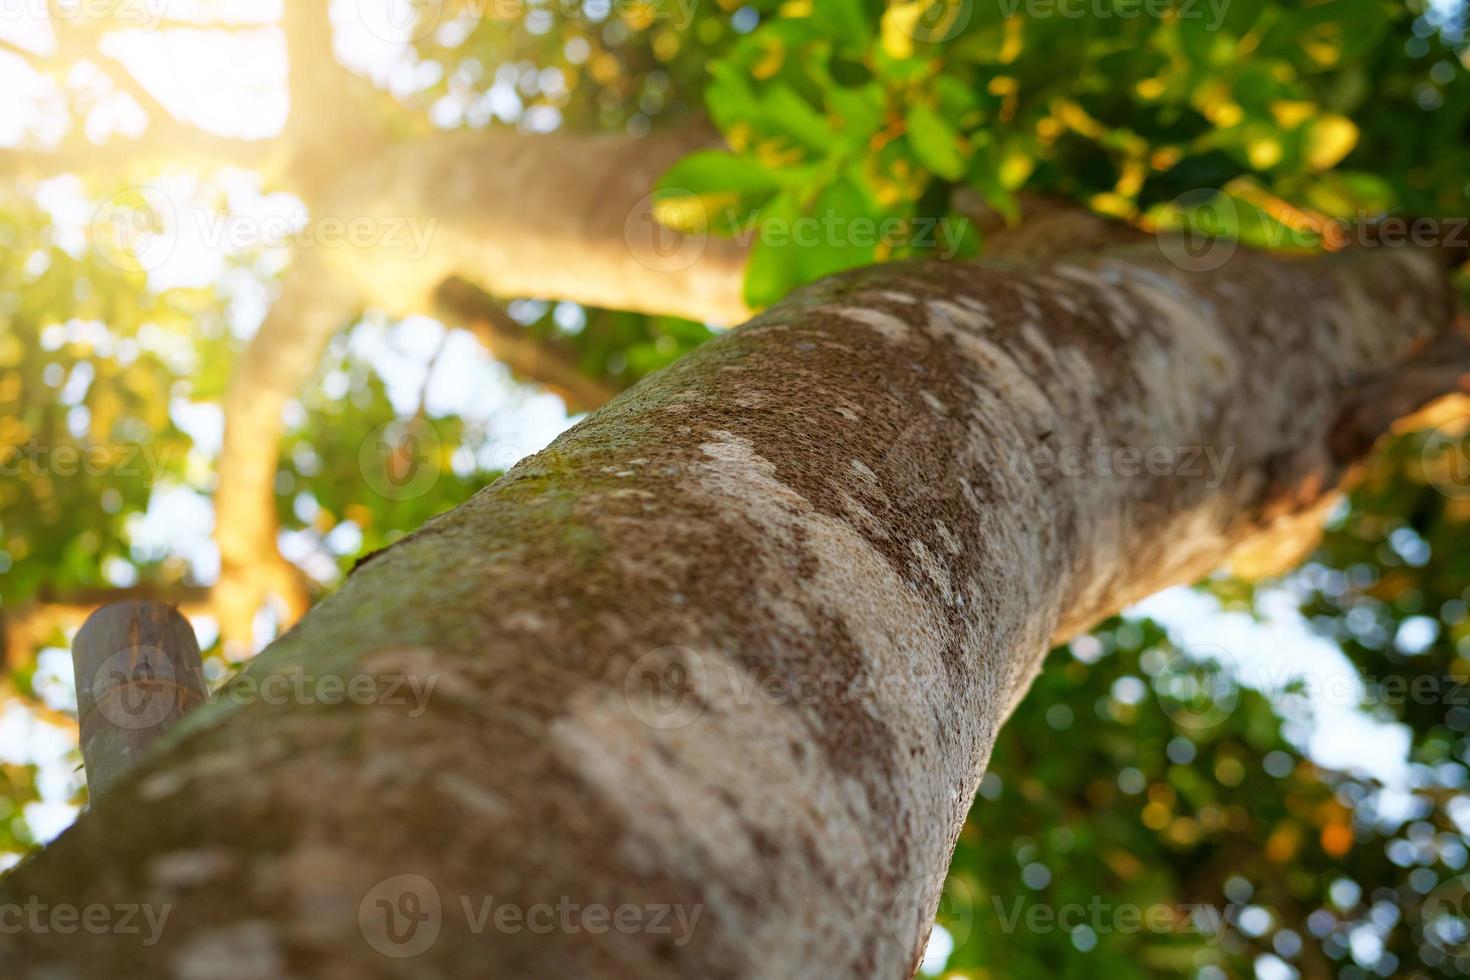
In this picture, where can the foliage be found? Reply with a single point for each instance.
(1122, 831)
(90, 360)
(847, 110)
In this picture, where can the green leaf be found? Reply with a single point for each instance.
(716, 171)
(846, 232)
(958, 100)
(935, 144)
(1203, 43)
(850, 73)
(984, 176)
(860, 111)
(794, 116)
(771, 271)
(1240, 15)
(846, 21)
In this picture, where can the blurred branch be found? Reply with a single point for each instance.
(313, 304)
(320, 131)
(423, 404)
(326, 126)
(546, 361)
(27, 627)
(25, 54)
(166, 142)
(1432, 387)
(76, 42)
(549, 215)
(179, 148)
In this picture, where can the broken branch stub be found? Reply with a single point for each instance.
(138, 670)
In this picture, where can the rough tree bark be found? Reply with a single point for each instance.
(741, 641)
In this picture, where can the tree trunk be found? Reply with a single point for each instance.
(727, 660)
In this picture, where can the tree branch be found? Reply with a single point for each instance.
(543, 360)
(1430, 387)
(551, 216)
(25, 54)
(150, 153)
(25, 628)
(854, 503)
(76, 42)
(167, 141)
(275, 365)
(1403, 400)
(326, 126)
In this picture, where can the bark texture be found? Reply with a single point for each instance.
(741, 641)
